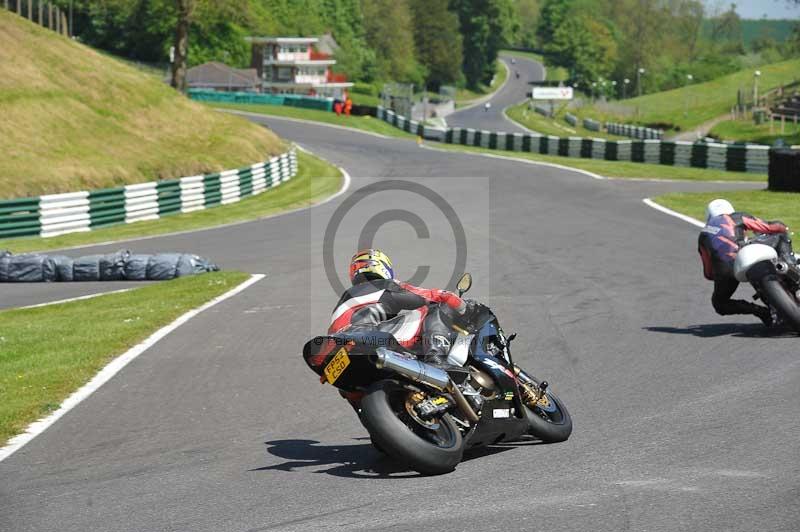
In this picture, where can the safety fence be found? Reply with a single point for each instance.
(732, 157)
(57, 214)
(45, 13)
(637, 132)
(260, 98)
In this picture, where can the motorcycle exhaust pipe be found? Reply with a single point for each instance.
(413, 369)
(426, 374)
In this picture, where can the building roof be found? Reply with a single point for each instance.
(327, 44)
(215, 74)
(282, 40)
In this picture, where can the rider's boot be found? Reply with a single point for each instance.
(764, 314)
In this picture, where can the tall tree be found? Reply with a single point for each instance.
(585, 46)
(526, 12)
(553, 14)
(184, 8)
(726, 28)
(485, 26)
(389, 33)
(437, 41)
(689, 15)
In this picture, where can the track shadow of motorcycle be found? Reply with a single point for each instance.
(715, 330)
(358, 460)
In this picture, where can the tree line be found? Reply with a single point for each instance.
(662, 43)
(432, 42)
(450, 42)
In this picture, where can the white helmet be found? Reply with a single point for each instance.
(718, 207)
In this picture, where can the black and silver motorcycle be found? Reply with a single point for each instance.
(775, 278)
(425, 416)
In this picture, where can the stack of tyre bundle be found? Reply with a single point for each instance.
(119, 266)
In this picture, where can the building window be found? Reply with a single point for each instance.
(284, 73)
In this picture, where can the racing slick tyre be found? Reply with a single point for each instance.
(784, 303)
(376, 445)
(431, 447)
(549, 419)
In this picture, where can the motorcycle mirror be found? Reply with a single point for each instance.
(464, 284)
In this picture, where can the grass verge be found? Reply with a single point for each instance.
(363, 123)
(315, 181)
(466, 96)
(746, 130)
(762, 203)
(49, 352)
(619, 169)
(687, 107)
(76, 119)
(359, 98)
(552, 73)
(554, 126)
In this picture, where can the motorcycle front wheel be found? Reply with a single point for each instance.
(549, 419)
(431, 447)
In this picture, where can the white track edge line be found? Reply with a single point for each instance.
(71, 299)
(346, 180)
(689, 219)
(111, 369)
(518, 159)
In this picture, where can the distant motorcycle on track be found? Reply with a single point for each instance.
(425, 416)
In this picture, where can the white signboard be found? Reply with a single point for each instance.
(552, 93)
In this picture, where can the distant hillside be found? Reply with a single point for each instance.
(73, 119)
(753, 29)
(687, 107)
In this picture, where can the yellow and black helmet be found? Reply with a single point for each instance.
(369, 265)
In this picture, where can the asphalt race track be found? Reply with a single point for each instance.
(513, 92)
(684, 420)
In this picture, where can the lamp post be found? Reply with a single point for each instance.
(639, 73)
(614, 90)
(689, 79)
(594, 85)
(756, 75)
(625, 83)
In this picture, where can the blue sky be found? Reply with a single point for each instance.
(757, 8)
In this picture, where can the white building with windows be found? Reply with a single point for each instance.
(292, 65)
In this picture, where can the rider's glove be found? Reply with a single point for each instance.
(468, 314)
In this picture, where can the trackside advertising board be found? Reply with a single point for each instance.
(552, 93)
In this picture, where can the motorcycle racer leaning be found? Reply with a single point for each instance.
(376, 301)
(718, 244)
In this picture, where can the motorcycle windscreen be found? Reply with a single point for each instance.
(342, 362)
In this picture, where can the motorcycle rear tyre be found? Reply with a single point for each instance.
(400, 442)
(782, 301)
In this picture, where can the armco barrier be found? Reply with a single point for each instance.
(734, 157)
(637, 132)
(57, 214)
(591, 125)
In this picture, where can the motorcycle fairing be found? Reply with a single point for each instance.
(493, 429)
